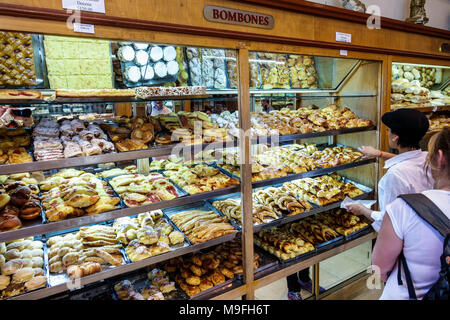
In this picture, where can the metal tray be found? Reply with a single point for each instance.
(201, 205)
(140, 280)
(329, 244)
(55, 279)
(185, 244)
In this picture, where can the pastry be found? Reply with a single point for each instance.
(36, 283)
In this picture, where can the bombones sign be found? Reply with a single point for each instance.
(238, 17)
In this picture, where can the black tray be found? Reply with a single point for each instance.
(288, 261)
(329, 244)
(359, 233)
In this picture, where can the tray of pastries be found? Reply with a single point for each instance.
(283, 244)
(230, 206)
(72, 193)
(78, 254)
(274, 71)
(344, 222)
(14, 144)
(315, 231)
(117, 171)
(22, 267)
(19, 201)
(200, 223)
(68, 139)
(130, 134)
(199, 178)
(148, 234)
(302, 71)
(203, 273)
(281, 200)
(138, 189)
(152, 285)
(326, 189)
(17, 60)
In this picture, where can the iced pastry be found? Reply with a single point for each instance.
(170, 53)
(133, 74)
(160, 69)
(172, 67)
(156, 53)
(141, 58)
(126, 53)
(147, 72)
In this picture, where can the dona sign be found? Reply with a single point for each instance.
(238, 17)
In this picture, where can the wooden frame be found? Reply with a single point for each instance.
(125, 23)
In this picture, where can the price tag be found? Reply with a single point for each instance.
(343, 37)
(85, 5)
(344, 52)
(83, 28)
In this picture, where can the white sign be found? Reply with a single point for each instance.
(83, 28)
(344, 52)
(343, 37)
(85, 5)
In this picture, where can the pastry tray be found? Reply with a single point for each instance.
(55, 279)
(96, 292)
(154, 81)
(139, 281)
(237, 196)
(201, 205)
(329, 244)
(268, 262)
(358, 233)
(180, 191)
(185, 244)
(44, 267)
(288, 261)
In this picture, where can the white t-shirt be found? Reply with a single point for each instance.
(422, 246)
(406, 174)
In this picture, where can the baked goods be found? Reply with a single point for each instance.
(274, 70)
(323, 190)
(20, 95)
(204, 270)
(313, 230)
(150, 92)
(344, 222)
(84, 252)
(16, 60)
(198, 178)
(282, 243)
(438, 121)
(73, 193)
(21, 265)
(94, 93)
(18, 201)
(78, 63)
(281, 201)
(12, 146)
(302, 71)
(200, 226)
(137, 189)
(117, 171)
(147, 235)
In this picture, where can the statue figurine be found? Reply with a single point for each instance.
(417, 12)
(355, 5)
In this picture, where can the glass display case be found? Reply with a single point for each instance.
(147, 137)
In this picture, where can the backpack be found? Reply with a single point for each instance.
(429, 212)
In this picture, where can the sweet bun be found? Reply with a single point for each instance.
(36, 282)
(26, 253)
(37, 252)
(37, 262)
(10, 210)
(20, 196)
(11, 267)
(4, 282)
(2, 247)
(2, 260)
(31, 210)
(13, 254)
(8, 222)
(23, 275)
(38, 272)
(4, 199)
(37, 245)
(27, 263)
(19, 245)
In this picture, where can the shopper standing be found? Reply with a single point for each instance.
(406, 171)
(404, 231)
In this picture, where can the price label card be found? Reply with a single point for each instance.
(83, 28)
(344, 52)
(85, 5)
(343, 37)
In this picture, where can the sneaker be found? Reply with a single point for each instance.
(294, 296)
(308, 286)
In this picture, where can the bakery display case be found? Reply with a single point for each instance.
(167, 161)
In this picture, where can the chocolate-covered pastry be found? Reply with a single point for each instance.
(20, 196)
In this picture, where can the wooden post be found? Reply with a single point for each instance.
(246, 171)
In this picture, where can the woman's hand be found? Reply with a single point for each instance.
(370, 151)
(360, 210)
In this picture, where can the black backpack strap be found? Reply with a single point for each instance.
(409, 282)
(428, 211)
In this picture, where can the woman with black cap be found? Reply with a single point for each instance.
(406, 171)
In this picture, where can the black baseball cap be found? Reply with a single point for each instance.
(407, 122)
